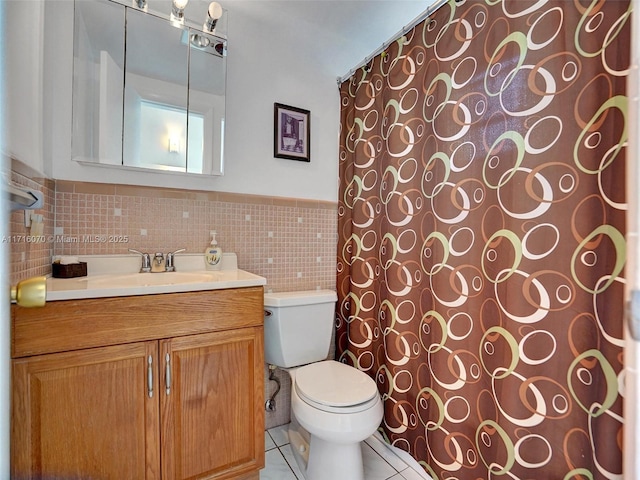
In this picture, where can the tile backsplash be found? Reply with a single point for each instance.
(31, 256)
(290, 242)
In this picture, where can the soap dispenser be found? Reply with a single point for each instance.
(213, 254)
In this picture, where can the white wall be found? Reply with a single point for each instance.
(5, 322)
(21, 130)
(265, 65)
(22, 95)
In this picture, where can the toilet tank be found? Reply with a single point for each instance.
(298, 326)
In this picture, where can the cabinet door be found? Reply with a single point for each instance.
(213, 413)
(86, 414)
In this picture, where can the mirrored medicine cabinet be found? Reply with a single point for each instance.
(148, 92)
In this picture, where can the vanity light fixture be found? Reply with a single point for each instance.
(199, 41)
(213, 15)
(177, 10)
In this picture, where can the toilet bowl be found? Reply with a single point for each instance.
(334, 406)
(337, 419)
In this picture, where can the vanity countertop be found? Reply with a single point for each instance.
(118, 275)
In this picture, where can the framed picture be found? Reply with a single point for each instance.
(291, 133)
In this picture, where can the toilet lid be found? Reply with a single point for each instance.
(334, 384)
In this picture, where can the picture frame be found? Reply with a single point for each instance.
(292, 133)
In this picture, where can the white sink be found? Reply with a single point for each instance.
(148, 279)
(117, 275)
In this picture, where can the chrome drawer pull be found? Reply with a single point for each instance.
(150, 376)
(167, 374)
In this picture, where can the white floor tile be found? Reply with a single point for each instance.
(276, 468)
(380, 463)
(414, 469)
(279, 435)
(291, 460)
(383, 450)
(268, 442)
(375, 467)
(411, 474)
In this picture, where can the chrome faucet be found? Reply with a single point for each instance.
(159, 262)
(169, 266)
(146, 261)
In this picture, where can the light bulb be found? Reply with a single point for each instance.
(213, 15)
(215, 10)
(177, 10)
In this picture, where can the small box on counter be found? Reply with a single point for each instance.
(72, 270)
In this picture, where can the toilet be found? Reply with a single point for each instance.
(334, 406)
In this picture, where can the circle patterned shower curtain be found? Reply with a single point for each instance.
(481, 237)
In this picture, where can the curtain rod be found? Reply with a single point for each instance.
(424, 15)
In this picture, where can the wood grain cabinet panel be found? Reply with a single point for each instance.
(85, 414)
(181, 406)
(206, 435)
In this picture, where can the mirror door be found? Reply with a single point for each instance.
(148, 93)
(155, 94)
(98, 82)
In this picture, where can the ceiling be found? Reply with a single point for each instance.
(339, 33)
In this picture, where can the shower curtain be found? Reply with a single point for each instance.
(481, 240)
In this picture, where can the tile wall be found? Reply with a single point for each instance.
(30, 256)
(290, 242)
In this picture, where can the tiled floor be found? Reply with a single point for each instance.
(380, 463)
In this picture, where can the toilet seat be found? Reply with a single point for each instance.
(334, 387)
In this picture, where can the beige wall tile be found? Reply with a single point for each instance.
(291, 242)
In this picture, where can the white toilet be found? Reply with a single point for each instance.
(334, 407)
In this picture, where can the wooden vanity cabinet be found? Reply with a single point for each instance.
(144, 387)
(83, 415)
